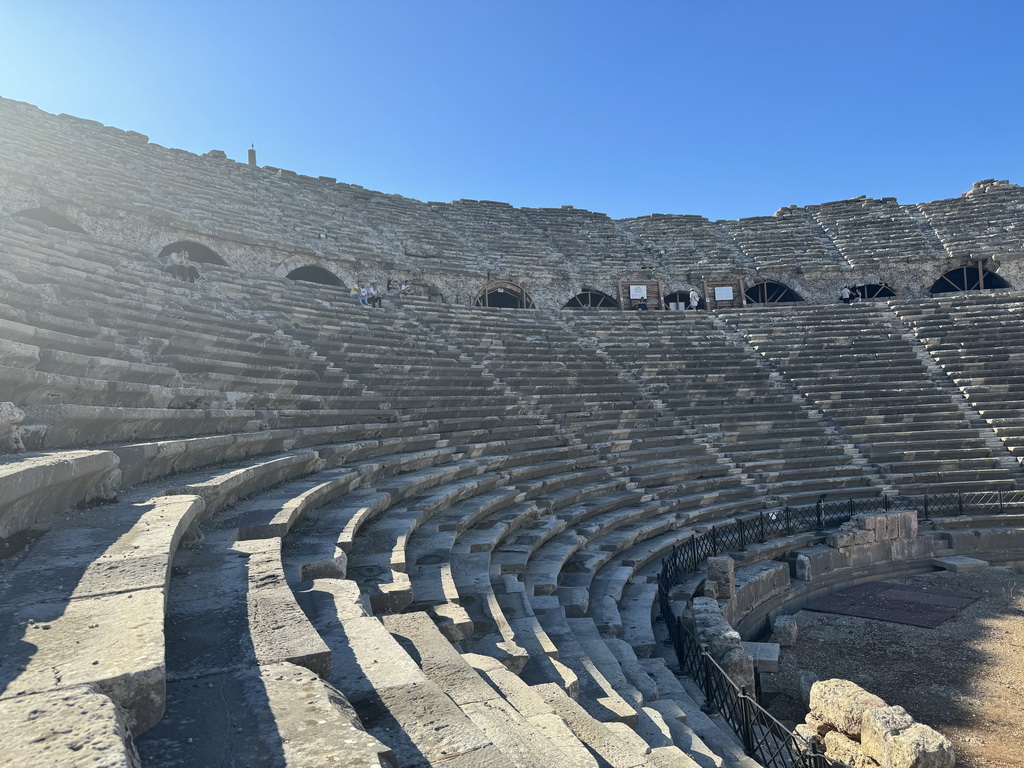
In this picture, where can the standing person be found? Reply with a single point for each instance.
(694, 299)
(189, 271)
(844, 294)
(173, 265)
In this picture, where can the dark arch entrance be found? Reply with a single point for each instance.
(874, 291)
(681, 300)
(771, 292)
(588, 299)
(313, 274)
(198, 253)
(504, 295)
(50, 219)
(970, 277)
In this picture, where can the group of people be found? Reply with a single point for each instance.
(694, 298)
(849, 295)
(373, 296)
(178, 265)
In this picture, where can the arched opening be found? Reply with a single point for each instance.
(590, 299)
(313, 274)
(50, 219)
(771, 292)
(197, 252)
(504, 295)
(970, 277)
(873, 291)
(680, 300)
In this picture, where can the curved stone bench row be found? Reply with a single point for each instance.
(382, 518)
(719, 388)
(834, 352)
(411, 727)
(976, 342)
(254, 614)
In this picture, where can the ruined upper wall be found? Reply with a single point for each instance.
(140, 196)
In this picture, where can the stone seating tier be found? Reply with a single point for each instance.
(871, 233)
(523, 490)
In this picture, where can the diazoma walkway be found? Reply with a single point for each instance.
(264, 525)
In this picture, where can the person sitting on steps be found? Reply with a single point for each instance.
(358, 293)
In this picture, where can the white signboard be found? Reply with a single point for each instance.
(723, 293)
(638, 291)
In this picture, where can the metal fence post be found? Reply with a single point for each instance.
(705, 671)
(746, 722)
(926, 507)
(789, 521)
(743, 534)
(960, 501)
(819, 513)
(815, 752)
(885, 502)
(760, 524)
(1000, 491)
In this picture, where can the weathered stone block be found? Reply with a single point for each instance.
(755, 584)
(850, 538)
(76, 726)
(842, 703)
(895, 740)
(11, 418)
(844, 749)
(890, 525)
(722, 571)
(813, 562)
(784, 631)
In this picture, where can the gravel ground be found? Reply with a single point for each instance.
(964, 678)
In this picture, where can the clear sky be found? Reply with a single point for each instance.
(724, 108)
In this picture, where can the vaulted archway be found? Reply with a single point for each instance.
(314, 274)
(197, 252)
(771, 292)
(590, 299)
(870, 291)
(504, 295)
(969, 277)
(680, 300)
(50, 219)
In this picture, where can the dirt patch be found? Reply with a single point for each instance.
(965, 678)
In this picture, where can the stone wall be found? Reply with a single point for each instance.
(139, 197)
(861, 730)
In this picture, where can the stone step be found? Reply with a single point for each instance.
(396, 702)
(81, 721)
(47, 427)
(521, 742)
(615, 744)
(88, 601)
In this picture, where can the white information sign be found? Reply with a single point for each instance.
(723, 293)
(638, 291)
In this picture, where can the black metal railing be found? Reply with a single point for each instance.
(765, 738)
(741, 532)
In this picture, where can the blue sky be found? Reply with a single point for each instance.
(720, 108)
